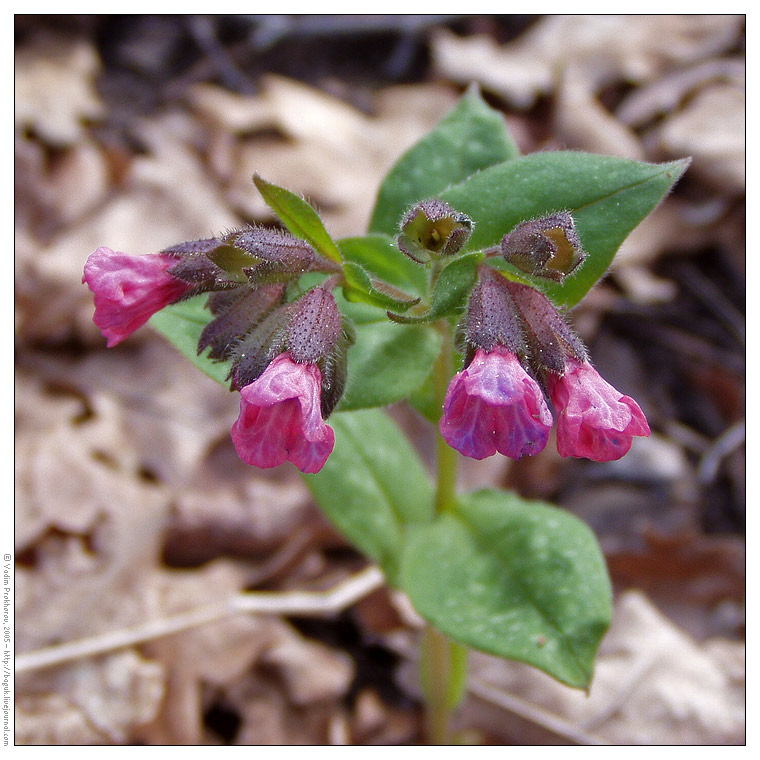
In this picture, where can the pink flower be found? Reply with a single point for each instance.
(494, 405)
(129, 290)
(281, 420)
(595, 420)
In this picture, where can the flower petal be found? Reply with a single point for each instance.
(596, 421)
(280, 418)
(129, 290)
(494, 405)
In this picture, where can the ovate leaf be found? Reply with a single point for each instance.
(518, 579)
(387, 363)
(372, 485)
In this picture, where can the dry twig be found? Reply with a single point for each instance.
(316, 603)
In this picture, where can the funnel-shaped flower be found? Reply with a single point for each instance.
(129, 290)
(595, 420)
(494, 405)
(280, 418)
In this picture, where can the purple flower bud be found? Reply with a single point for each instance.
(494, 405)
(491, 317)
(546, 247)
(129, 290)
(595, 420)
(314, 327)
(280, 418)
(237, 312)
(549, 339)
(432, 229)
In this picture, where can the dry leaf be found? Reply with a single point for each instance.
(328, 151)
(103, 700)
(310, 671)
(711, 129)
(653, 684)
(55, 88)
(602, 49)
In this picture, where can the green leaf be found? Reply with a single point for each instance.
(424, 400)
(471, 137)
(372, 485)
(450, 291)
(380, 256)
(607, 196)
(387, 363)
(518, 579)
(359, 287)
(182, 325)
(299, 217)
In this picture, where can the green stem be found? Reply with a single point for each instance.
(442, 662)
(447, 458)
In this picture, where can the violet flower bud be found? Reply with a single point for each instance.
(547, 247)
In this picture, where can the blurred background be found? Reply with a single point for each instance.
(137, 132)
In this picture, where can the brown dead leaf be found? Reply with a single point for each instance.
(322, 147)
(711, 129)
(663, 96)
(602, 49)
(99, 701)
(311, 672)
(55, 88)
(222, 520)
(52, 719)
(581, 121)
(71, 473)
(168, 198)
(653, 685)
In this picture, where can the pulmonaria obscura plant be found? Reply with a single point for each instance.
(455, 300)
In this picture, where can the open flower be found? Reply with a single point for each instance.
(494, 405)
(595, 420)
(281, 420)
(129, 290)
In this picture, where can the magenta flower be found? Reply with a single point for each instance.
(595, 420)
(129, 290)
(494, 405)
(281, 420)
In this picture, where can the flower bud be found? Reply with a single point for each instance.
(491, 317)
(237, 312)
(548, 337)
(311, 330)
(431, 230)
(548, 247)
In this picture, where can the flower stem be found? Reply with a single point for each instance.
(442, 662)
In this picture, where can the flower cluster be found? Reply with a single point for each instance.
(287, 349)
(287, 357)
(519, 350)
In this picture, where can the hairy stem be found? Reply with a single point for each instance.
(442, 663)
(447, 458)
